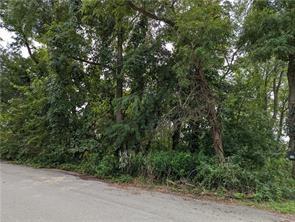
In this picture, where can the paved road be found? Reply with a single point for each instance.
(43, 195)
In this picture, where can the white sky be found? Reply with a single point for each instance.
(6, 38)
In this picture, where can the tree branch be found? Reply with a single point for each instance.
(86, 61)
(149, 14)
(230, 63)
(90, 62)
(26, 42)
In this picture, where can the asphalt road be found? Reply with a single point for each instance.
(44, 195)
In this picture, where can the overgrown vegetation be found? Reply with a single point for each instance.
(192, 92)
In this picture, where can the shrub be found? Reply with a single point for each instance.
(230, 176)
(89, 163)
(136, 165)
(158, 165)
(266, 183)
(168, 164)
(274, 184)
(107, 167)
(182, 165)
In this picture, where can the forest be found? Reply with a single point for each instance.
(198, 92)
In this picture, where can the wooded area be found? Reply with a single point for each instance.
(201, 91)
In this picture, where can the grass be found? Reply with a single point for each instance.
(286, 207)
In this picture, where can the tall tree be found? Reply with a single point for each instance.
(201, 29)
(269, 31)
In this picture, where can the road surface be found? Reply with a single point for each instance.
(45, 195)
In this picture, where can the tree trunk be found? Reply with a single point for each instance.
(291, 106)
(193, 143)
(281, 120)
(176, 134)
(265, 102)
(119, 83)
(216, 133)
(119, 76)
(276, 89)
(211, 109)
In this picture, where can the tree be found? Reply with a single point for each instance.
(202, 30)
(269, 31)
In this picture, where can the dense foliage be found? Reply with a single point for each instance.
(191, 91)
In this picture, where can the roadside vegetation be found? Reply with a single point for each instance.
(194, 94)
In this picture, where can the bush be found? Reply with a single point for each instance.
(182, 164)
(168, 164)
(107, 167)
(159, 165)
(136, 165)
(274, 184)
(230, 176)
(89, 163)
(267, 183)
(93, 164)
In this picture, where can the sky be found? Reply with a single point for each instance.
(6, 38)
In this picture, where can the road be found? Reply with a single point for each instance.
(46, 195)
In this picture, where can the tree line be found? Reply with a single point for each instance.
(169, 89)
